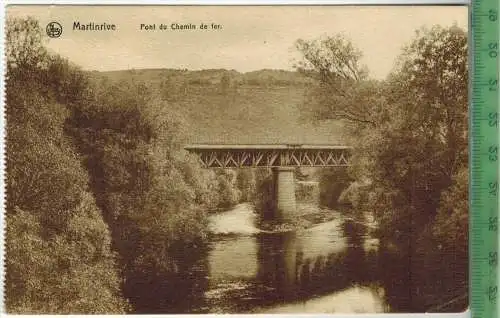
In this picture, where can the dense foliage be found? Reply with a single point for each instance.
(332, 183)
(410, 162)
(59, 257)
(154, 195)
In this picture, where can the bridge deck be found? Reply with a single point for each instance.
(262, 146)
(284, 155)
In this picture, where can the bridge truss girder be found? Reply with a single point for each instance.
(269, 158)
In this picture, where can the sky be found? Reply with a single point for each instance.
(251, 38)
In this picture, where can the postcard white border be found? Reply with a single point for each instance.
(465, 314)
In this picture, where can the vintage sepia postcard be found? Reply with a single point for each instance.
(236, 159)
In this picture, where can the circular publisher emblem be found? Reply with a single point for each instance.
(54, 29)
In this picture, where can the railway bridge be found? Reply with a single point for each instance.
(283, 159)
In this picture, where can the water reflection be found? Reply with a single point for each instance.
(277, 271)
(233, 258)
(175, 287)
(332, 267)
(280, 256)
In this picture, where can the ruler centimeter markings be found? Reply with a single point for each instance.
(484, 160)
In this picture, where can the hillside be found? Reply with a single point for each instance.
(222, 106)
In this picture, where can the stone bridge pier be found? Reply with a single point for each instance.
(285, 206)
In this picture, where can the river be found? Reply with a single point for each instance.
(330, 267)
(333, 264)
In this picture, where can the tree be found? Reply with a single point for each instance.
(424, 144)
(145, 183)
(416, 138)
(342, 90)
(59, 257)
(246, 183)
(332, 182)
(434, 70)
(410, 139)
(25, 50)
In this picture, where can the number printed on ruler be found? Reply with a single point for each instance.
(484, 160)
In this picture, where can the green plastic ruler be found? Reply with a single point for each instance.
(485, 158)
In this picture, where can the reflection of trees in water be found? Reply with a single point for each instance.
(419, 282)
(283, 268)
(175, 288)
(338, 271)
(395, 278)
(285, 275)
(279, 257)
(392, 269)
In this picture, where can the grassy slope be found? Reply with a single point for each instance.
(259, 107)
